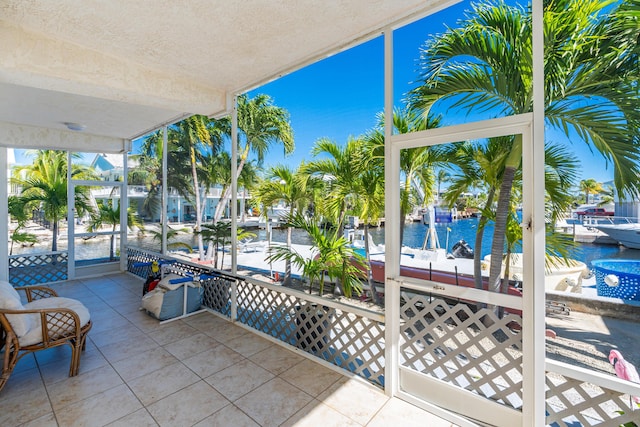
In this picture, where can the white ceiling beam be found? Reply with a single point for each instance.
(32, 60)
(32, 137)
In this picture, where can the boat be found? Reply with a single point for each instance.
(561, 275)
(457, 267)
(627, 234)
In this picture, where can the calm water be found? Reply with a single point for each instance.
(414, 234)
(465, 229)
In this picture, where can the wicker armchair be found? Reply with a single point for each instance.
(45, 321)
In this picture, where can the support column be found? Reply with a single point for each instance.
(234, 205)
(165, 190)
(4, 207)
(391, 229)
(124, 207)
(234, 185)
(71, 242)
(533, 363)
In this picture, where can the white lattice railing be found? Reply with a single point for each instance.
(446, 339)
(449, 341)
(345, 336)
(581, 397)
(42, 267)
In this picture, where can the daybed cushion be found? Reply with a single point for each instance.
(34, 335)
(166, 282)
(10, 300)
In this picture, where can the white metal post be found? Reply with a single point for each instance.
(71, 243)
(165, 189)
(234, 207)
(4, 207)
(391, 227)
(234, 185)
(124, 206)
(533, 363)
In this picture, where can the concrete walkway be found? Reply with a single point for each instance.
(585, 340)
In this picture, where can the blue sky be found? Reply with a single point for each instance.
(341, 95)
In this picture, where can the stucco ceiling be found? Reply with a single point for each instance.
(123, 67)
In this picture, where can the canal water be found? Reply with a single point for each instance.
(465, 229)
(414, 235)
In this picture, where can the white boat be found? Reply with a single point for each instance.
(627, 234)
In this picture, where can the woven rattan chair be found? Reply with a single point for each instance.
(45, 321)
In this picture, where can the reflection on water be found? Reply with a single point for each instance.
(414, 235)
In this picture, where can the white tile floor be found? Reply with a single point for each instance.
(198, 371)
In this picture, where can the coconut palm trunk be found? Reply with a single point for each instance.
(54, 234)
(502, 214)
(226, 194)
(196, 190)
(262, 124)
(477, 254)
(287, 266)
(493, 45)
(112, 249)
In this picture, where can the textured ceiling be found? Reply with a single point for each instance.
(122, 67)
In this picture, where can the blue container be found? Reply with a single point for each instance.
(618, 278)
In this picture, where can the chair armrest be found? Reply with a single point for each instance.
(56, 323)
(37, 292)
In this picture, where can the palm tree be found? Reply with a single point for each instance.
(590, 186)
(416, 164)
(219, 235)
(215, 235)
(193, 137)
(248, 180)
(590, 84)
(478, 167)
(441, 177)
(281, 184)
(561, 175)
(108, 214)
(172, 233)
(261, 124)
(44, 185)
(18, 213)
(217, 171)
(148, 171)
(338, 169)
(333, 256)
(369, 186)
(606, 196)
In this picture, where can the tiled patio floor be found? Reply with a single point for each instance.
(198, 371)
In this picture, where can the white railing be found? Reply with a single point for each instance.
(578, 396)
(342, 335)
(141, 191)
(589, 221)
(353, 338)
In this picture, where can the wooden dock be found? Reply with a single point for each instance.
(585, 234)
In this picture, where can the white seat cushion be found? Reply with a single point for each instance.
(10, 300)
(34, 335)
(10, 289)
